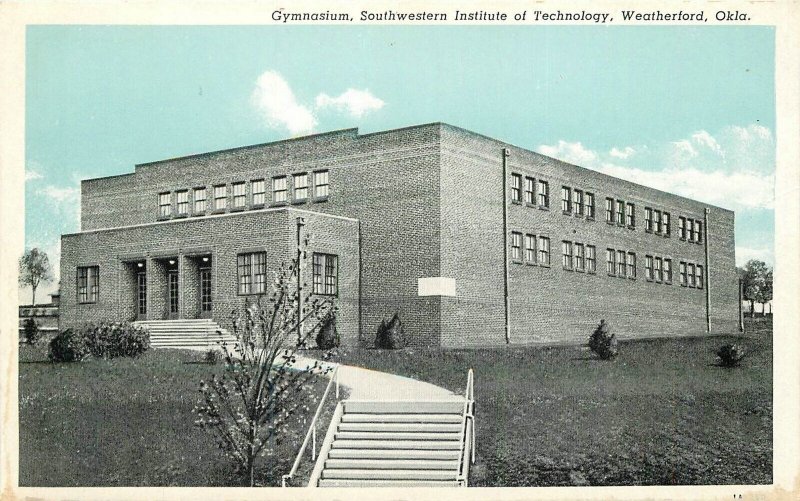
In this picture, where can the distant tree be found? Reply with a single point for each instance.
(34, 268)
(765, 295)
(754, 277)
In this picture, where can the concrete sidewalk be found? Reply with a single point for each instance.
(367, 384)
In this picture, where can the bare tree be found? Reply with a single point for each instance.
(256, 402)
(34, 268)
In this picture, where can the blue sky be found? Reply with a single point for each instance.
(683, 109)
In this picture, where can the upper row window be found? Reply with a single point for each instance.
(536, 192)
(258, 191)
(656, 221)
(690, 229)
(577, 202)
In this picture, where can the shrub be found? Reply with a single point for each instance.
(390, 334)
(114, 339)
(212, 356)
(603, 342)
(730, 355)
(68, 346)
(30, 331)
(328, 336)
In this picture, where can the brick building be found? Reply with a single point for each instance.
(473, 241)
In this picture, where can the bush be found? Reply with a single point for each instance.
(68, 346)
(212, 356)
(603, 342)
(30, 331)
(114, 339)
(390, 334)
(328, 336)
(730, 355)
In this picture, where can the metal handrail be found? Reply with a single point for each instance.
(469, 406)
(312, 430)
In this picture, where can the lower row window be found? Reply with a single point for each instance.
(325, 274)
(88, 284)
(252, 272)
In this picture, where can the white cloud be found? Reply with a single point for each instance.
(622, 154)
(276, 101)
(356, 103)
(744, 254)
(574, 153)
(733, 169)
(61, 194)
(32, 175)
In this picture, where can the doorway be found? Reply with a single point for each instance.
(141, 295)
(172, 294)
(205, 293)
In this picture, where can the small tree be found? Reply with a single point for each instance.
(390, 334)
(34, 268)
(251, 406)
(30, 331)
(754, 276)
(603, 342)
(765, 294)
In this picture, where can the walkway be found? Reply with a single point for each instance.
(367, 384)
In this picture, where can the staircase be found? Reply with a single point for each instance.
(198, 333)
(396, 444)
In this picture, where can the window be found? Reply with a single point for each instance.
(300, 187)
(530, 249)
(591, 259)
(682, 228)
(199, 200)
(589, 204)
(259, 191)
(566, 201)
(183, 202)
(321, 184)
(609, 210)
(658, 272)
(698, 231)
(610, 264)
(657, 221)
(577, 202)
(566, 250)
(580, 261)
(630, 215)
(666, 222)
(668, 271)
(530, 186)
(88, 284)
(252, 268)
(239, 195)
(620, 212)
(699, 275)
(631, 265)
(279, 189)
(648, 219)
(516, 188)
(516, 246)
(325, 274)
(690, 229)
(684, 281)
(544, 251)
(544, 194)
(621, 263)
(164, 204)
(648, 267)
(691, 274)
(220, 197)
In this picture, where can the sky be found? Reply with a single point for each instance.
(682, 109)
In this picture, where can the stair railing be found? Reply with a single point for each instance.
(467, 453)
(312, 430)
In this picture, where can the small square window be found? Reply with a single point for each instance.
(239, 195)
(259, 191)
(279, 189)
(300, 187)
(321, 184)
(220, 197)
(165, 204)
(199, 200)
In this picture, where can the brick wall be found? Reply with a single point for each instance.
(274, 231)
(551, 304)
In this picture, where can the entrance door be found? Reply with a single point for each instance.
(205, 292)
(141, 295)
(172, 294)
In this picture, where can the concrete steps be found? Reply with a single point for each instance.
(186, 333)
(392, 444)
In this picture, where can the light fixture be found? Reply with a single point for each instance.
(171, 261)
(205, 259)
(140, 265)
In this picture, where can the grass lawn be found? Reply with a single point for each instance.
(661, 413)
(127, 422)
